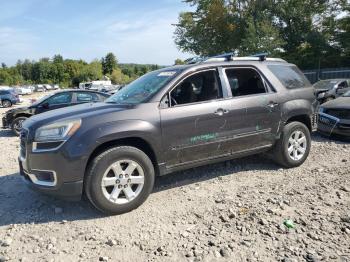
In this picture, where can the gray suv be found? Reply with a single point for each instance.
(168, 120)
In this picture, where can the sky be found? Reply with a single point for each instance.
(135, 31)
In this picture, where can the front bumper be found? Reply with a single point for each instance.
(332, 126)
(5, 123)
(51, 172)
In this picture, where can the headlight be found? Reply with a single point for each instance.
(57, 131)
(321, 95)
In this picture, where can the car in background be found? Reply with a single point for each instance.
(327, 90)
(334, 117)
(13, 118)
(39, 88)
(8, 97)
(24, 90)
(48, 87)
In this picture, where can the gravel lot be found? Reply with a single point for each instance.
(232, 211)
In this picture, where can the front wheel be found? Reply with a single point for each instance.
(16, 125)
(293, 147)
(6, 103)
(119, 180)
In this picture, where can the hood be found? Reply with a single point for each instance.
(73, 112)
(17, 110)
(340, 102)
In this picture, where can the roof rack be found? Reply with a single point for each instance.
(232, 57)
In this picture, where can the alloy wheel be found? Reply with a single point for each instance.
(123, 181)
(297, 145)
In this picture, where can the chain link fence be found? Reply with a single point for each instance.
(327, 73)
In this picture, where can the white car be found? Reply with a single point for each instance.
(24, 90)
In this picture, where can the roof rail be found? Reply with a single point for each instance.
(232, 57)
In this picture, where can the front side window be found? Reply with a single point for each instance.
(343, 84)
(58, 99)
(244, 81)
(143, 88)
(290, 76)
(203, 86)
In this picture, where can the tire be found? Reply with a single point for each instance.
(6, 103)
(16, 125)
(280, 153)
(106, 198)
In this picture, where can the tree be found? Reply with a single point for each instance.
(109, 62)
(3, 65)
(301, 31)
(117, 77)
(213, 28)
(178, 61)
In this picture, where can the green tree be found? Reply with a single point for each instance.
(178, 61)
(109, 63)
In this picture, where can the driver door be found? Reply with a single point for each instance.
(193, 120)
(54, 102)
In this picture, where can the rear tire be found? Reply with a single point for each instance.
(6, 103)
(293, 147)
(119, 180)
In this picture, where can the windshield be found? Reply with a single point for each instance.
(37, 102)
(347, 94)
(325, 84)
(143, 88)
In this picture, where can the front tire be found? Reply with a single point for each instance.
(6, 103)
(119, 180)
(16, 125)
(293, 147)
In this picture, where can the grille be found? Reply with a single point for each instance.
(339, 113)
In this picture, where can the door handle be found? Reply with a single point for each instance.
(272, 104)
(221, 111)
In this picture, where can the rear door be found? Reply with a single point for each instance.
(253, 110)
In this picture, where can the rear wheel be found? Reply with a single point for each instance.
(6, 103)
(119, 180)
(16, 125)
(292, 149)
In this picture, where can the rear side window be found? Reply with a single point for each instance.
(245, 81)
(87, 97)
(290, 76)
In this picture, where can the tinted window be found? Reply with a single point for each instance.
(143, 88)
(61, 98)
(290, 76)
(2, 92)
(87, 97)
(245, 81)
(199, 87)
(343, 84)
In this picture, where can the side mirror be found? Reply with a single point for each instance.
(45, 105)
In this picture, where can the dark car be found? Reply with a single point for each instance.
(327, 90)
(334, 117)
(8, 97)
(13, 118)
(171, 119)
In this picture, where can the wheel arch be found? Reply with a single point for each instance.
(136, 142)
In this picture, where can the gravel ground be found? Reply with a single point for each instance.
(232, 211)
